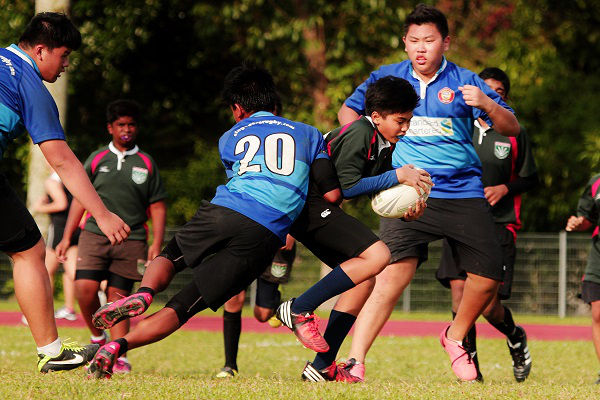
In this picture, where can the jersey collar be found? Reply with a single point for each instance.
(262, 114)
(13, 48)
(122, 154)
(382, 143)
(422, 84)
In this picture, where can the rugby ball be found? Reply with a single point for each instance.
(395, 201)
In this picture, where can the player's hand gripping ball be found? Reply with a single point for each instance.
(395, 201)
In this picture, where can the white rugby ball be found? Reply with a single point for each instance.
(395, 201)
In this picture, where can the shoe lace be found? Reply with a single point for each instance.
(72, 345)
(345, 373)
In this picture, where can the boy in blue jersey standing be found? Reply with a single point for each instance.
(439, 141)
(25, 104)
(230, 240)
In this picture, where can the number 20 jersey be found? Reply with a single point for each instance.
(267, 160)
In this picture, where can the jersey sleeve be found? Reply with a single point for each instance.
(350, 152)
(324, 175)
(525, 164)
(39, 112)
(87, 165)
(477, 113)
(586, 207)
(156, 189)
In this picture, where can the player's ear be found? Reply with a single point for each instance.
(376, 117)
(446, 43)
(239, 113)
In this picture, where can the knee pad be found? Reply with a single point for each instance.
(173, 253)
(187, 303)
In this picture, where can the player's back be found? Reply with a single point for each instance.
(267, 160)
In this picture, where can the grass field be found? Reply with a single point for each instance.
(183, 365)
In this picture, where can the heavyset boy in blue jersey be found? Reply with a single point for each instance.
(439, 140)
(230, 240)
(508, 169)
(42, 54)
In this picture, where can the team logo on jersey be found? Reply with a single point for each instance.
(104, 168)
(139, 175)
(325, 213)
(446, 95)
(501, 150)
(278, 270)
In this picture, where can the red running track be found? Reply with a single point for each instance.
(391, 328)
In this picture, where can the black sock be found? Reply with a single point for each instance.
(338, 326)
(507, 326)
(145, 289)
(232, 328)
(123, 345)
(470, 344)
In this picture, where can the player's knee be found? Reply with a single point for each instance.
(263, 314)
(187, 303)
(596, 312)
(378, 256)
(173, 253)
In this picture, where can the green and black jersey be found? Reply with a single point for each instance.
(359, 152)
(127, 184)
(508, 161)
(589, 207)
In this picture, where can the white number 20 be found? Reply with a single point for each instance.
(280, 153)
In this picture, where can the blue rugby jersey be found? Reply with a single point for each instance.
(440, 136)
(267, 160)
(25, 103)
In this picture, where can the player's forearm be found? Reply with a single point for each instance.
(504, 121)
(75, 213)
(67, 166)
(347, 115)
(158, 213)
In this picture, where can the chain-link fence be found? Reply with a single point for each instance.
(535, 287)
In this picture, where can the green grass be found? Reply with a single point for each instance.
(183, 365)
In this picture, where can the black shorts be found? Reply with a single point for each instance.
(267, 294)
(449, 270)
(590, 291)
(468, 226)
(226, 251)
(55, 234)
(280, 269)
(18, 230)
(337, 241)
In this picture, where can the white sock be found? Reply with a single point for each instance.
(98, 338)
(52, 349)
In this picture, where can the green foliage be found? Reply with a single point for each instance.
(172, 56)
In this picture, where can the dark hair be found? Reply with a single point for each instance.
(251, 87)
(390, 95)
(52, 30)
(424, 14)
(497, 74)
(122, 108)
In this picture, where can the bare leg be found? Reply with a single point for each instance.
(477, 294)
(368, 264)
(457, 287)
(596, 326)
(152, 329)
(87, 297)
(389, 286)
(30, 276)
(159, 274)
(51, 265)
(494, 312)
(69, 277)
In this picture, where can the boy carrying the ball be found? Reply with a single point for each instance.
(361, 152)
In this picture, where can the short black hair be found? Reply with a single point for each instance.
(390, 95)
(424, 14)
(122, 108)
(52, 30)
(251, 87)
(497, 74)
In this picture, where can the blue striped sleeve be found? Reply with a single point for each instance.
(372, 184)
